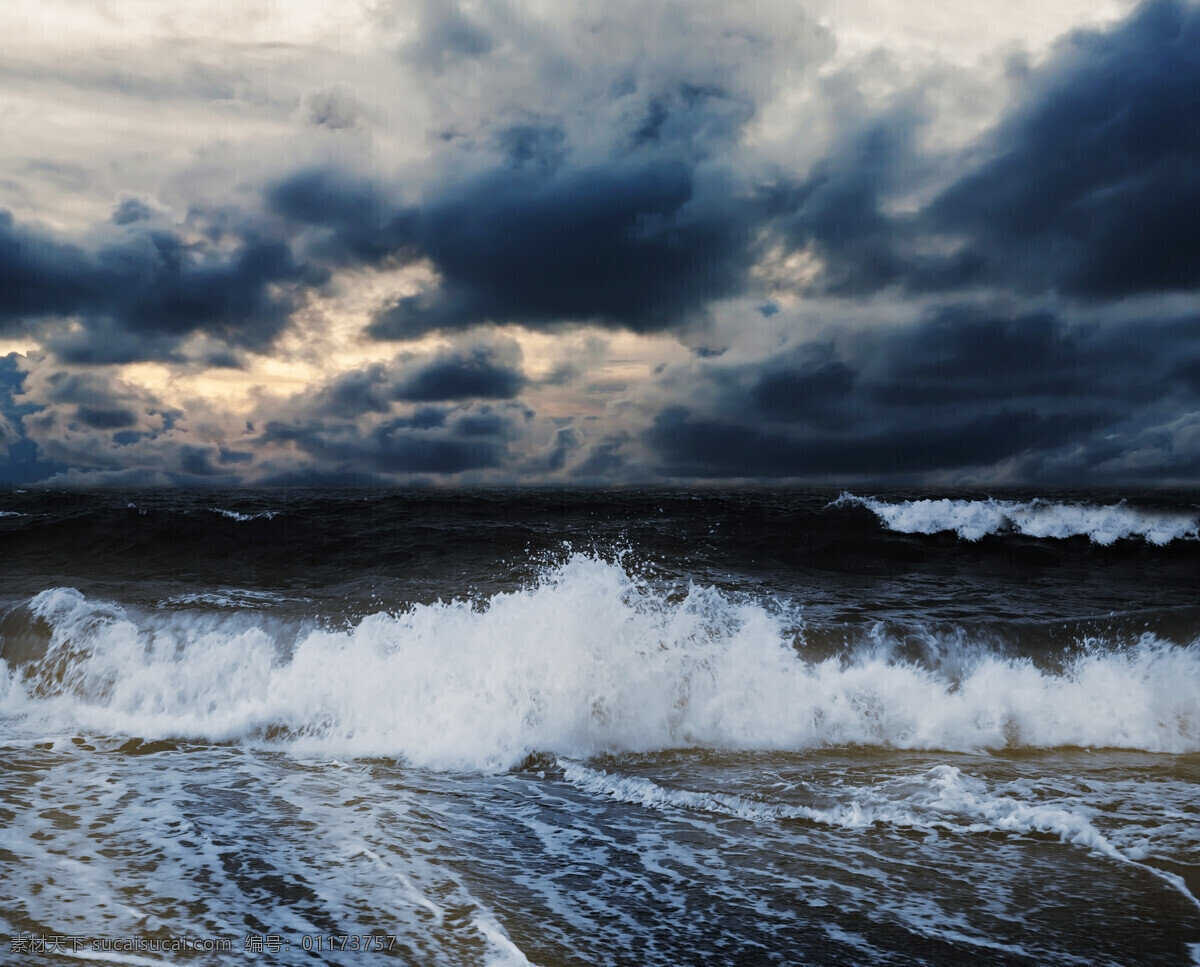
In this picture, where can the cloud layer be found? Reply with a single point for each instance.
(466, 243)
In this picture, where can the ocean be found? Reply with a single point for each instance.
(599, 727)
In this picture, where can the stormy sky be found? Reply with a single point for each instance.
(462, 243)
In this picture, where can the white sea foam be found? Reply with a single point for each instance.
(502, 952)
(942, 798)
(973, 519)
(585, 662)
(411, 893)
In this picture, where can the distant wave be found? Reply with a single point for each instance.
(234, 515)
(586, 661)
(227, 598)
(973, 519)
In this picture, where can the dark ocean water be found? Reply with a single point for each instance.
(557, 727)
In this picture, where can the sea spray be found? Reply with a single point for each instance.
(586, 660)
(973, 519)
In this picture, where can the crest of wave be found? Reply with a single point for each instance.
(973, 519)
(588, 660)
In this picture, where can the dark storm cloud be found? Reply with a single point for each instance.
(959, 390)
(552, 458)
(20, 461)
(604, 460)
(91, 391)
(22, 464)
(368, 390)
(92, 428)
(700, 447)
(1096, 187)
(691, 119)
(38, 275)
(589, 180)
(356, 223)
(838, 209)
(611, 202)
(352, 426)
(482, 423)
(93, 401)
(116, 419)
(194, 461)
(130, 210)
(539, 146)
(474, 375)
(960, 357)
(138, 296)
(817, 394)
(628, 244)
(1090, 187)
(478, 372)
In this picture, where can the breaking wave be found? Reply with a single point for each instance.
(587, 660)
(235, 515)
(973, 519)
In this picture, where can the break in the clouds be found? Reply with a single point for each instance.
(505, 243)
